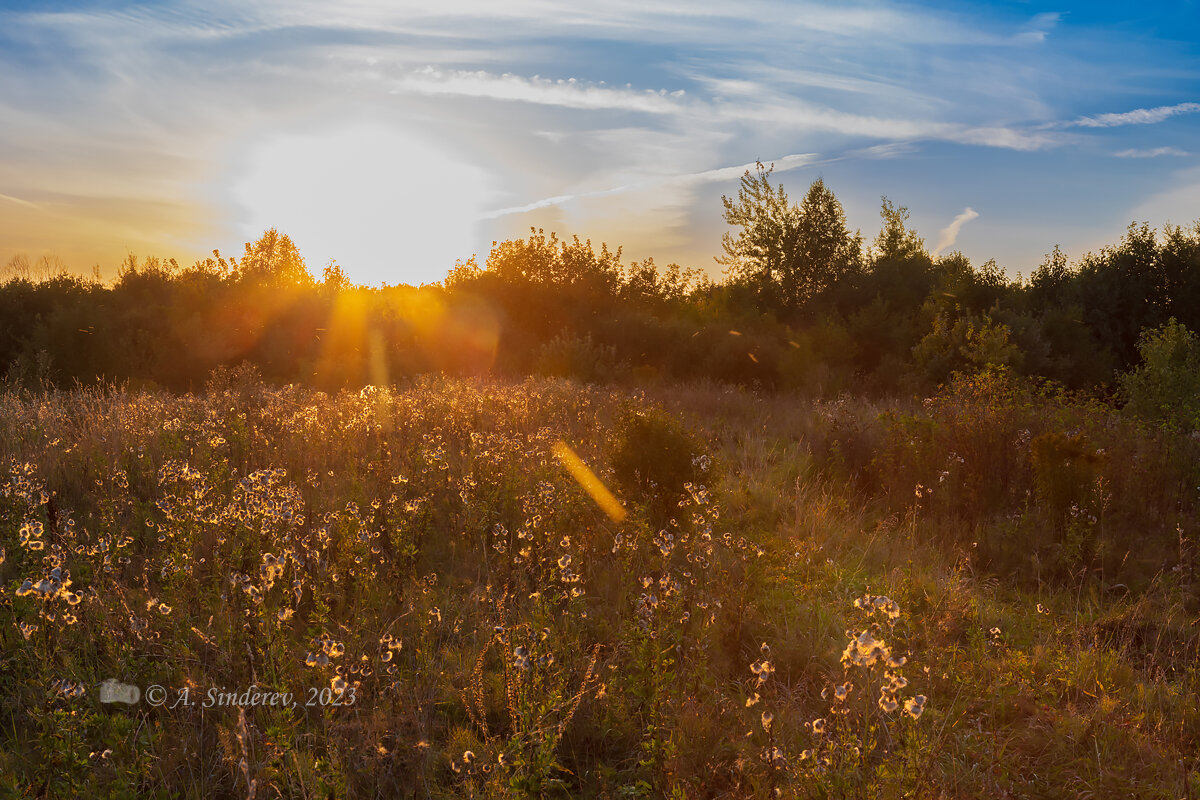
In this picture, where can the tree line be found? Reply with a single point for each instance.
(804, 304)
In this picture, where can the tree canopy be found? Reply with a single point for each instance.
(788, 254)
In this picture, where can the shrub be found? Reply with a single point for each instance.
(1065, 468)
(656, 456)
(1166, 386)
(568, 356)
(964, 344)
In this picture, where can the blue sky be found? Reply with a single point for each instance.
(398, 137)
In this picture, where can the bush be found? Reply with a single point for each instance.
(1065, 470)
(568, 356)
(656, 456)
(1165, 388)
(966, 344)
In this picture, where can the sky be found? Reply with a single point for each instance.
(398, 137)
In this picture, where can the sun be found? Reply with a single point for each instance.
(387, 206)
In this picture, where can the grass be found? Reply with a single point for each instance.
(454, 615)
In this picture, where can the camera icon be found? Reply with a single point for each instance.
(113, 691)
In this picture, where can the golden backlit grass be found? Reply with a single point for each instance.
(432, 557)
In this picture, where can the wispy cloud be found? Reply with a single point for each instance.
(885, 151)
(1139, 116)
(566, 93)
(1151, 152)
(718, 175)
(145, 107)
(18, 201)
(949, 234)
(1038, 29)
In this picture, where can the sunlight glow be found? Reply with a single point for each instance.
(386, 206)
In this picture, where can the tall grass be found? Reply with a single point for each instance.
(454, 615)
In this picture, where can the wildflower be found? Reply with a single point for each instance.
(887, 702)
(818, 726)
(164, 609)
(864, 650)
(840, 693)
(763, 669)
(915, 707)
(338, 684)
(767, 719)
(285, 614)
(521, 658)
(752, 700)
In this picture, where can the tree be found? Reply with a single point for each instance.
(274, 259)
(824, 251)
(787, 253)
(1165, 387)
(895, 241)
(767, 221)
(1123, 290)
(901, 272)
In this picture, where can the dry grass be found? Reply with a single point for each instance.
(419, 554)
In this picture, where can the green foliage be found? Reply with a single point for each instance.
(1165, 387)
(789, 254)
(895, 241)
(550, 263)
(569, 356)
(811, 310)
(655, 456)
(647, 285)
(965, 344)
(1065, 469)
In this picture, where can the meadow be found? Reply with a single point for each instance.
(990, 592)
